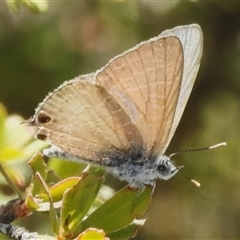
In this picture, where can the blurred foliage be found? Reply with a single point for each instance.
(33, 5)
(16, 147)
(40, 51)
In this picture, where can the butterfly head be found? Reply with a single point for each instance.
(166, 168)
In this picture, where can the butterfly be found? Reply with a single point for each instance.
(124, 115)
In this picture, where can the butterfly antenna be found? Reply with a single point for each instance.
(195, 182)
(199, 149)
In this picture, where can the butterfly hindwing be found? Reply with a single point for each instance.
(82, 119)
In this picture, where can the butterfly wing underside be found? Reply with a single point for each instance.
(137, 98)
(191, 38)
(82, 119)
(152, 82)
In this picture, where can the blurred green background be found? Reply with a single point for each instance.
(40, 51)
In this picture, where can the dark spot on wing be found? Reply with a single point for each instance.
(43, 118)
(42, 137)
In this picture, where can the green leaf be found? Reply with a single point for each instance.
(52, 178)
(31, 202)
(53, 215)
(38, 165)
(58, 189)
(127, 232)
(120, 210)
(66, 169)
(92, 233)
(78, 200)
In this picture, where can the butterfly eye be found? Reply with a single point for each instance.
(162, 169)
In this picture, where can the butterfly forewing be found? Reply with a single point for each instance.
(146, 82)
(83, 119)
